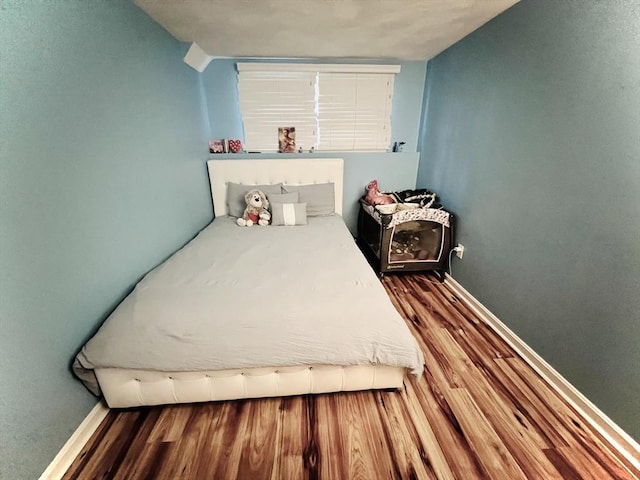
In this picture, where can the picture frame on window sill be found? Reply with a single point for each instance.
(218, 145)
(287, 139)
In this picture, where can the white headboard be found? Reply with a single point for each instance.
(294, 171)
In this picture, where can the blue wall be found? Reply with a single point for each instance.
(531, 137)
(103, 176)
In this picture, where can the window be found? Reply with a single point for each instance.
(332, 107)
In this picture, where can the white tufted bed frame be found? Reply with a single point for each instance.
(129, 388)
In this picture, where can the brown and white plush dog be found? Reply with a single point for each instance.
(256, 211)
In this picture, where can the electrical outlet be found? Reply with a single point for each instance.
(459, 250)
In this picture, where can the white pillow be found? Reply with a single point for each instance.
(289, 214)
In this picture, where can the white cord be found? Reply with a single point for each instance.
(454, 249)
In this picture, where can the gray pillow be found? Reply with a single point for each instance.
(289, 214)
(237, 191)
(293, 197)
(319, 197)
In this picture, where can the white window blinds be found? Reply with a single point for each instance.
(269, 100)
(332, 107)
(354, 111)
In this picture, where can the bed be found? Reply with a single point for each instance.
(254, 312)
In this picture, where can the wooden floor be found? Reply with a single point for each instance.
(478, 412)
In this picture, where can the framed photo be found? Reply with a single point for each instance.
(287, 139)
(217, 146)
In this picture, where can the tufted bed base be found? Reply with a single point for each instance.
(124, 388)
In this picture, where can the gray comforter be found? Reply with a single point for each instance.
(239, 297)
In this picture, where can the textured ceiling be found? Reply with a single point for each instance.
(399, 29)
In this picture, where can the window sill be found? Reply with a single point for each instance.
(324, 154)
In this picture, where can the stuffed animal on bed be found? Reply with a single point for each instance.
(256, 210)
(375, 197)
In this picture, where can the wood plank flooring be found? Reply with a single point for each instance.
(478, 412)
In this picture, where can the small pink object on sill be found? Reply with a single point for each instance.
(235, 146)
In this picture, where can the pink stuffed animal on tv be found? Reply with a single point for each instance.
(375, 197)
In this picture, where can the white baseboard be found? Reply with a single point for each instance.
(618, 438)
(65, 457)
